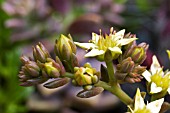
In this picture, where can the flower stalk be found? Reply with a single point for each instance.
(117, 91)
(110, 69)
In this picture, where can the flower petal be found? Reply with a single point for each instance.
(155, 88)
(168, 90)
(139, 102)
(167, 73)
(131, 111)
(155, 106)
(147, 75)
(86, 45)
(119, 35)
(94, 52)
(126, 41)
(155, 66)
(168, 51)
(95, 38)
(115, 49)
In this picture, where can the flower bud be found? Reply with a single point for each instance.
(95, 79)
(127, 71)
(30, 73)
(137, 53)
(53, 69)
(85, 75)
(137, 70)
(82, 78)
(126, 66)
(144, 45)
(64, 47)
(40, 53)
(32, 69)
(24, 59)
(62, 68)
(87, 87)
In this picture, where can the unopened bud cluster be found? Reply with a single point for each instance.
(137, 52)
(85, 76)
(129, 68)
(30, 73)
(41, 68)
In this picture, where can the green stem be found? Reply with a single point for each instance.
(158, 96)
(70, 67)
(116, 90)
(110, 69)
(69, 75)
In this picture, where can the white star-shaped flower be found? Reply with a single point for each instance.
(100, 44)
(140, 107)
(158, 79)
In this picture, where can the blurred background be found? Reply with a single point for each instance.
(24, 23)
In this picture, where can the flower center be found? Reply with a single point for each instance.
(160, 81)
(105, 42)
(144, 110)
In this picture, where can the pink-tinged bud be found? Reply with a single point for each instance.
(126, 66)
(31, 69)
(136, 52)
(144, 45)
(24, 59)
(40, 53)
(127, 71)
(31, 73)
(62, 68)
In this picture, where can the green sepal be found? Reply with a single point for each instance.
(90, 93)
(104, 73)
(56, 83)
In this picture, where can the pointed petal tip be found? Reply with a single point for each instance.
(94, 52)
(155, 106)
(147, 75)
(85, 45)
(139, 101)
(168, 90)
(155, 88)
(115, 49)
